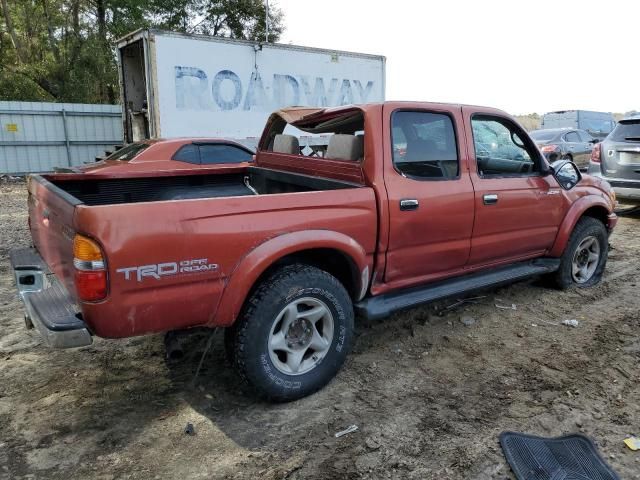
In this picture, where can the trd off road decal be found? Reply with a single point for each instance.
(159, 270)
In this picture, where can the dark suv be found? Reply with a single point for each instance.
(617, 159)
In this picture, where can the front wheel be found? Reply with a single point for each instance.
(294, 333)
(583, 261)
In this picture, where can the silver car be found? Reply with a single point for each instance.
(565, 143)
(617, 159)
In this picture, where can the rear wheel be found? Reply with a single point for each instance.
(583, 261)
(294, 333)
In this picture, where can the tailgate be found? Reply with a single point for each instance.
(51, 212)
(621, 160)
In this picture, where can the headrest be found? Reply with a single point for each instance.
(345, 147)
(286, 144)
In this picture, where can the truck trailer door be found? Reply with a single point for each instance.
(134, 92)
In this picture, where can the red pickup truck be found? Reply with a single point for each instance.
(407, 204)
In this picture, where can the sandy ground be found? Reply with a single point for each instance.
(429, 395)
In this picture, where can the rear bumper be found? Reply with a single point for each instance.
(48, 306)
(625, 192)
(625, 188)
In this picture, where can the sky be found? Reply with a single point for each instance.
(522, 57)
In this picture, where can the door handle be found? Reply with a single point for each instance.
(409, 204)
(490, 199)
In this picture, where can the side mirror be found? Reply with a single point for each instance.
(594, 141)
(566, 173)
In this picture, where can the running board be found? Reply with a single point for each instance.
(375, 308)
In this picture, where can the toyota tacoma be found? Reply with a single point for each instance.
(406, 204)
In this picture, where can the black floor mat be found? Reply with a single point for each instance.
(572, 457)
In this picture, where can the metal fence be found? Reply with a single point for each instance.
(38, 136)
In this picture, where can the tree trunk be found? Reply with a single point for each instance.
(101, 14)
(17, 44)
(52, 39)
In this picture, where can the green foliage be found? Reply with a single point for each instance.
(63, 50)
(530, 121)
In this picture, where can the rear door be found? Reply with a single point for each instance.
(572, 143)
(576, 148)
(620, 152)
(518, 210)
(587, 146)
(429, 192)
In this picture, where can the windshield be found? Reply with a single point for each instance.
(128, 152)
(543, 135)
(626, 131)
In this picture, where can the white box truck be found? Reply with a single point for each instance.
(178, 85)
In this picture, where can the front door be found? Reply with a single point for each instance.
(518, 210)
(431, 202)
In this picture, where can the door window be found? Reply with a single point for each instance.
(584, 136)
(221, 153)
(572, 137)
(501, 148)
(424, 145)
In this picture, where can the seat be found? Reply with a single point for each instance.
(426, 153)
(345, 147)
(286, 144)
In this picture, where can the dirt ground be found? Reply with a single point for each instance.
(429, 395)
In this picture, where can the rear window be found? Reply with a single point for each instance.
(543, 135)
(128, 152)
(424, 145)
(626, 131)
(188, 153)
(220, 153)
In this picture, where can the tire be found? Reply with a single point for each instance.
(589, 237)
(294, 333)
(230, 344)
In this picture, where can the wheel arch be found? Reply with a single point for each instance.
(589, 206)
(333, 252)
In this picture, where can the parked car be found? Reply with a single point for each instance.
(598, 124)
(166, 155)
(617, 159)
(565, 143)
(284, 253)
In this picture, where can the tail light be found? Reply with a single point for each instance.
(90, 272)
(549, 148)
(595, 153)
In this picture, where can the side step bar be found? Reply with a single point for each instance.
(375, 308)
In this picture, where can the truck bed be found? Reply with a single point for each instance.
(208, 218)
(100, 191)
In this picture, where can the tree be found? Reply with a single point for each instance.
(238, 19)
(63, 50)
